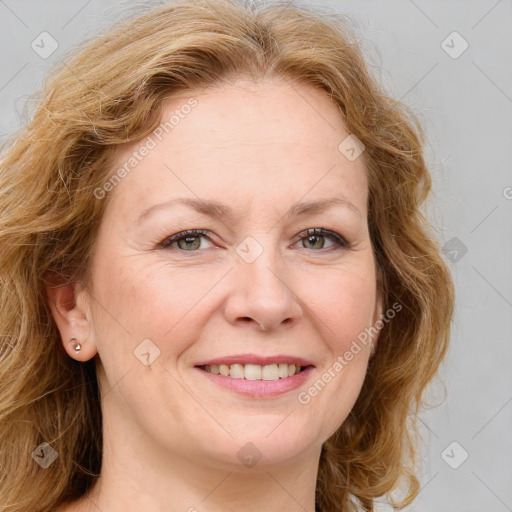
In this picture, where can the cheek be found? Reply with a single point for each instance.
(344, 306)
(344, 302)
(154, 301)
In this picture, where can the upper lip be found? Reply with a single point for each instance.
(255, 359)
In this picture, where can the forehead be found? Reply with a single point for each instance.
(271, 141)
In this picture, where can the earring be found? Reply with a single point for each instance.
(77, 347)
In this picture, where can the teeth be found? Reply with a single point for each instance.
(254, 371)
(236, 371)
(270, 372)
(283, 370)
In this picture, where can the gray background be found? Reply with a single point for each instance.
(465, 103)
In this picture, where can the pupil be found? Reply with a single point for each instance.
(189, 241)
(311, 239)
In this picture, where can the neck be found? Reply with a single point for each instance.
(135, 476)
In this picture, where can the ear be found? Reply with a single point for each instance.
(70, 307)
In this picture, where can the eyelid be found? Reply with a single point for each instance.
(327, 233)
(183, 234)
(339, 240)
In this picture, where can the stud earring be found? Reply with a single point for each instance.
(77, 347)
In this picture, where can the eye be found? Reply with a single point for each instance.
(191, 239)
(313, 236)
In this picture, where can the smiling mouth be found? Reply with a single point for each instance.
(254, 371)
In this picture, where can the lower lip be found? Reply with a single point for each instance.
(259, 388)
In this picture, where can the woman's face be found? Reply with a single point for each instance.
(254, 285)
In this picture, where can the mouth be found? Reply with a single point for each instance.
(257, 381)
(257, 376)
(249, 371)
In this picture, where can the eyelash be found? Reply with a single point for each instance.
(193, 233)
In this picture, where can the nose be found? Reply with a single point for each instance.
(262, 294)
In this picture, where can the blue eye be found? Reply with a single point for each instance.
(190, 240)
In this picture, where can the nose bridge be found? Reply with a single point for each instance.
(261, 290)
(261, 267)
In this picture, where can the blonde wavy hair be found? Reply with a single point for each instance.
(110, 92)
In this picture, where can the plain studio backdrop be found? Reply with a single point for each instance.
(451, 62)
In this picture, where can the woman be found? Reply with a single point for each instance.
(218, 288)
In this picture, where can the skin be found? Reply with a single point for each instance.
(171, 436)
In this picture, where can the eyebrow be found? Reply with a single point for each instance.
(216, 209)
